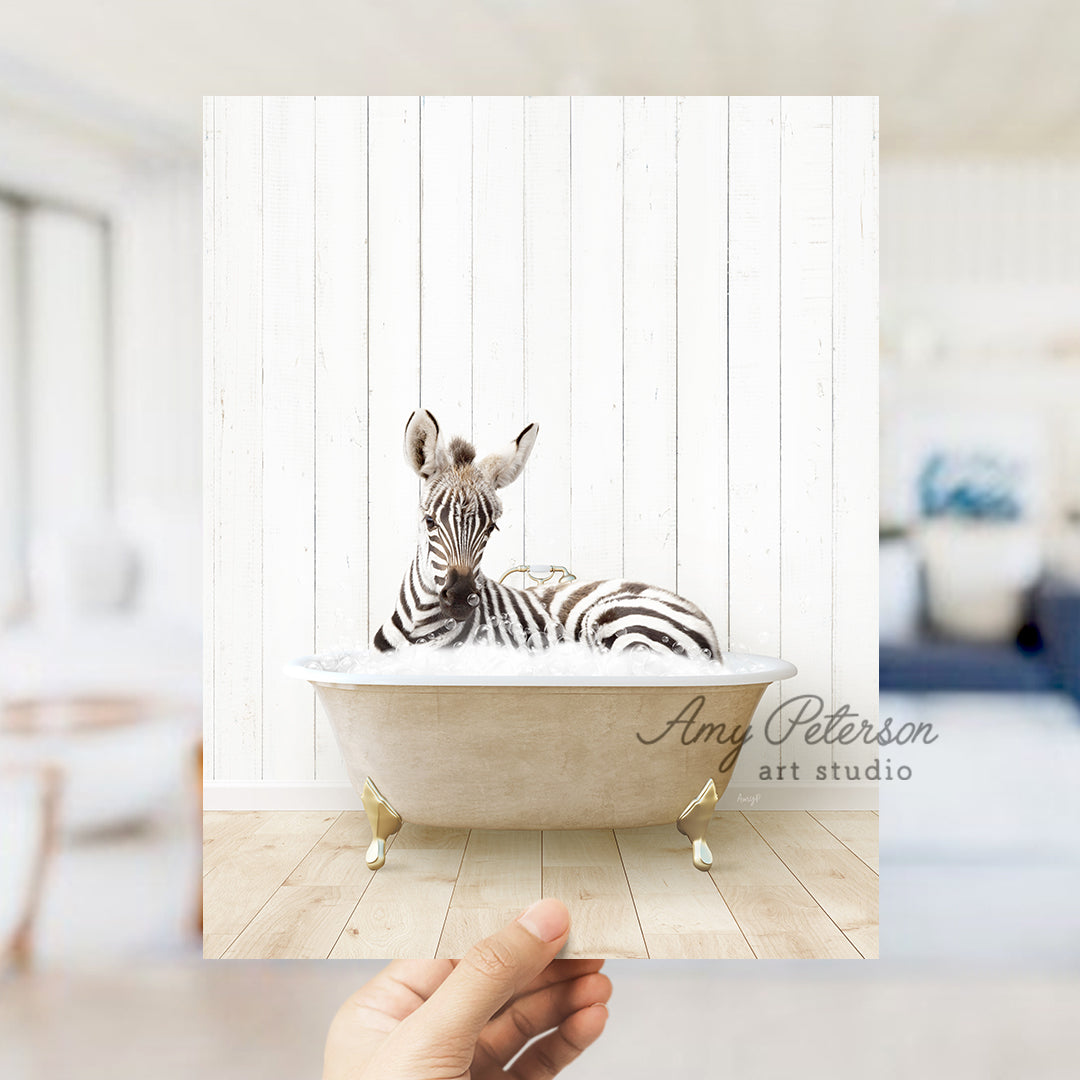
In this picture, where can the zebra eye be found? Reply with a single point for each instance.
(429, 521)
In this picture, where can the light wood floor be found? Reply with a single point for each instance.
(785, 884)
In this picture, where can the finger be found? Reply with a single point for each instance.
(398, 990)
(558, 971)
(492, 972)
(548, 1056)
(540, 1011)
(562, 969)
(369, 1015)
(421, 977)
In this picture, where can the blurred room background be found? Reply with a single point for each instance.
(980, 548)
(100, 491)
(100, 516)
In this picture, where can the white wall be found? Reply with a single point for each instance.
(99, 351)
(12, 589)
(984, 254)
(157, 385)
(54, 382)
(981, 317)
(681, 292)
(67, 380)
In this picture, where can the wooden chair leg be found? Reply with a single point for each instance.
(197, 915)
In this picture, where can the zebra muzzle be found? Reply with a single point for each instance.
(459, 598)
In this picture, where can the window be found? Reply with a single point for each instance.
(55, 381)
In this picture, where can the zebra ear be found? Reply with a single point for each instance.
(422, 444)
(504, 468)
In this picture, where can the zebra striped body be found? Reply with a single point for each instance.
(446, 600)
(612, 614)
(617, 614)
(503, 616)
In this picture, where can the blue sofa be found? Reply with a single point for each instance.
(1046, 656)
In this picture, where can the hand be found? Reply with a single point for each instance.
(465, 1020)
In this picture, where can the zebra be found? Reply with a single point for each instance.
(445, 599)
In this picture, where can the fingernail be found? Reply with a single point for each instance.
(546, 919)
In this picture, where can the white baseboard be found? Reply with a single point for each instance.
(316, 795)
(301, 795)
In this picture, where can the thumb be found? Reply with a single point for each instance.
(492, 972)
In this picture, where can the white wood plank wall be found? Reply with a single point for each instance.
(681, 292)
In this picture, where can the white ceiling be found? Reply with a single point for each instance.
(954, 76)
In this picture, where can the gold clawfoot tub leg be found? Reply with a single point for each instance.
(694, 820)
(384, 821)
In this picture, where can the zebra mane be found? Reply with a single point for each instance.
(461, 452)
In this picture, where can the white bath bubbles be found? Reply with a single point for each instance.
(566, 660)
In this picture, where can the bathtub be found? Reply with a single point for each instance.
(521, 752)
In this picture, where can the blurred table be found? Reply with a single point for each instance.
(74, 714)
